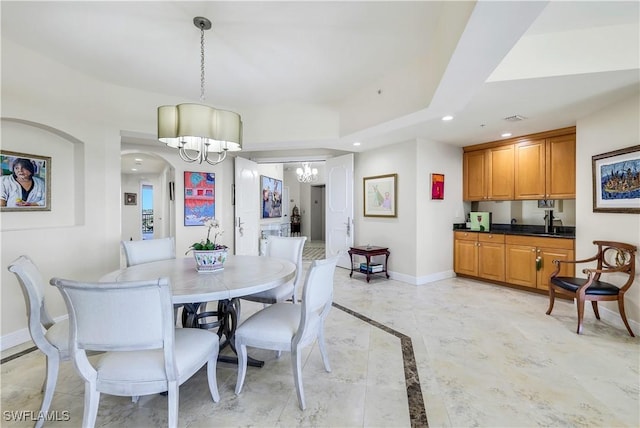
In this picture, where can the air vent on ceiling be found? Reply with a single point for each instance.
(514, 118)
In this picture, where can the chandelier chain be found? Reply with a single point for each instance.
(201, 62)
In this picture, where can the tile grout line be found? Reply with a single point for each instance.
(18, 354)
(417, 411)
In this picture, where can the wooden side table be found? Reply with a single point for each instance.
(368, 252)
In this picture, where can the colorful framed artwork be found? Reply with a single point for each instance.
(437, 186)
(270, 197)
(26, 182)
(130, 198)
(380, 195)
(199, 197)
(616, 181)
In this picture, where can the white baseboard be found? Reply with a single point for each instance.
(14, 339)
(21, 336)
(423, 279)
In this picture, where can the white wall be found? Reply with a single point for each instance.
(435, 218)
(420, 238)
(613, 128)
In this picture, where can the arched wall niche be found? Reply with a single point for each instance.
(67, 187)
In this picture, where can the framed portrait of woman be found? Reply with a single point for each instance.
(25, 184)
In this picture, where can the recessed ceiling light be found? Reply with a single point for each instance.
(447, 117)
(506, 134)
(357, 143)
(138, 160)
(134, 169)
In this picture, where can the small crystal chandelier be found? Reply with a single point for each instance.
(198, 130)
(306, 174)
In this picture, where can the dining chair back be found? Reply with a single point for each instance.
(149, 250)
(50, 337)
(286, 327)
(152, 250)
(289, 248)
(143, 352)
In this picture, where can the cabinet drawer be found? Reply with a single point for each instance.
(465, 236)
(535, 241)
(491, 237)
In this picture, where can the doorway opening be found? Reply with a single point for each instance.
(147, 211)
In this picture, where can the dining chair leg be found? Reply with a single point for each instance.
(552, 298)
(296, 360)
(91, 403)
(49, 385)
(241, 351)
(623, 315)
(323, 349)
(173, 399)
(580, 304)
(594, 305)
(212, 379)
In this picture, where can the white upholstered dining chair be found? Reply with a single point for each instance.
(291, 327)
(149, 250)
(50, 337)
(132, 323)
(289, 248)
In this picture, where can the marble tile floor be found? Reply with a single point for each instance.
(453, 353)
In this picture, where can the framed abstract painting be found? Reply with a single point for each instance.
(437, 186)
(199, 197)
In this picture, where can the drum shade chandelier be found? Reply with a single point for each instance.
(200, 133)
(306, 174)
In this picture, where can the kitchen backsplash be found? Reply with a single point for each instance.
(526, 212)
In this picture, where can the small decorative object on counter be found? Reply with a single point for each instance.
(209, 255)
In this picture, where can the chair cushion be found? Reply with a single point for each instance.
(58, 335)
(147, 366)
(598, 288)
(278, 294)
(277, 323)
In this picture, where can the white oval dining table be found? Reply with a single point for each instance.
(241, 276)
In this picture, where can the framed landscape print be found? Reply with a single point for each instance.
(199, 197)
(26, 182)
(380, 198)
(270, 197)
(616, 181)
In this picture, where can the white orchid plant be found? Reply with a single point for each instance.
(210, 223)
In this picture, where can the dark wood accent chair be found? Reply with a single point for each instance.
(612, 258)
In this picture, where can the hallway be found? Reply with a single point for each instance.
(313, 250)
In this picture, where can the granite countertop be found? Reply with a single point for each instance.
(524, 229)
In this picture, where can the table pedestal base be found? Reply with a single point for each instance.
(226, 319)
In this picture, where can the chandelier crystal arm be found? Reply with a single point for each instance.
(306, 174)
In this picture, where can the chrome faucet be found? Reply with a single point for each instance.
(548, 221)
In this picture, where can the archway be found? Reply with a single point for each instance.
(143, 170)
